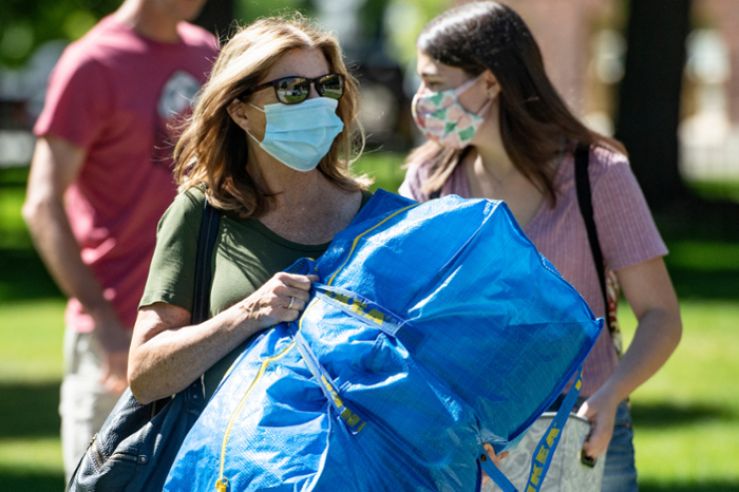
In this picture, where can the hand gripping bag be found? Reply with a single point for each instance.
(434, 328)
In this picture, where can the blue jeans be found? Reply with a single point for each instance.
(620, 469)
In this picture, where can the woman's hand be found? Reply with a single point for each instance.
(168, 353)
(491, 454)
(496, 459)
(600, 410)
(281, 298)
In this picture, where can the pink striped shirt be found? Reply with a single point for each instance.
(626, 231)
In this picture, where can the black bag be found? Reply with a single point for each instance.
(607, 279)
(137, 444)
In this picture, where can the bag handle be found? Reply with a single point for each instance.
(359, 307)
(585, 202)
(544, 451)
(207, 236)
(354, 423)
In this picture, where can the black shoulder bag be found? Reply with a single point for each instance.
(585, 202)
(137, 444)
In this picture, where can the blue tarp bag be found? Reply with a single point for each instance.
(434, 328)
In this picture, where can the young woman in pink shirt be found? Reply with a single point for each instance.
(497, 129)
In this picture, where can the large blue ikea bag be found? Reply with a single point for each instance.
(434, 328)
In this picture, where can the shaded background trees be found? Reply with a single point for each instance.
(217, 16)
(648, 110)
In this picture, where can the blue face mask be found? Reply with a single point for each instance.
(300, 135)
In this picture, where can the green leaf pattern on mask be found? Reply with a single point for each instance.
(437, 98)
(440, 113)
(447, 120)
(467, 134)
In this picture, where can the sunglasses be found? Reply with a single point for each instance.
(294, 90)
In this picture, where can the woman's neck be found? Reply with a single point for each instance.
(291, 189)
(494, 159)
(307, 208)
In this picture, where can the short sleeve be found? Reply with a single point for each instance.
(626, 229)
(172, 271)
(78, 100)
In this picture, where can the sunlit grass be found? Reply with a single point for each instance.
(32, 333)
(45, 454)
(686, 418)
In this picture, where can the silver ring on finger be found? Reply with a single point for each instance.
(290, 304)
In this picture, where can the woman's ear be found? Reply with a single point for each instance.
(236, 111)
(492, 87)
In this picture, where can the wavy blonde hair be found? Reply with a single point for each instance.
(212, 150)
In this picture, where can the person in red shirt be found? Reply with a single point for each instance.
(100, 179)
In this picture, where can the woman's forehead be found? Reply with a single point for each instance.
(304, 62)
(428, 67)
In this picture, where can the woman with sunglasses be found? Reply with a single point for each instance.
(268, 145)
(497, 128)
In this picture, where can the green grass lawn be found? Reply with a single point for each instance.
(30, 368)
(686, 418)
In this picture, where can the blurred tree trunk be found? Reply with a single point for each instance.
(650, 94)
(217, 16)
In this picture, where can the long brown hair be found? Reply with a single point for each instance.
(212, 149)
(535, 123)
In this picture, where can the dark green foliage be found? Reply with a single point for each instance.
(25, 25)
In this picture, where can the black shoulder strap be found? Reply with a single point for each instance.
(203, 263)
(585, 201)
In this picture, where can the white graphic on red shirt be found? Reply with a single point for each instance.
(175, 100)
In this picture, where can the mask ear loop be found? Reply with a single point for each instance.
(466, 86)
(247, 131)
(256, 107)
(485, 107)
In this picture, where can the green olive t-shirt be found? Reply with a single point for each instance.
(246, 255)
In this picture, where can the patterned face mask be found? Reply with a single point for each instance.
(441, 117)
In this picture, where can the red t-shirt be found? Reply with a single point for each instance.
(116, 94)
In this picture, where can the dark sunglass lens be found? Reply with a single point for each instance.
(331, 85)
(292, 90)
